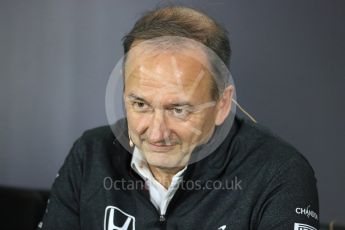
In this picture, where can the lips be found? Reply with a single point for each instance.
(159, 147)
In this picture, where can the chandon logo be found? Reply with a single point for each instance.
(307, 212)
(116, 219)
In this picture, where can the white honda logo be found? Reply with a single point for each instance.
(299, 226)
(116, 219)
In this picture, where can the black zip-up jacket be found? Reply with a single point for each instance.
(254, 180)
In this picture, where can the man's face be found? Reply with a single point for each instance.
(168, 104)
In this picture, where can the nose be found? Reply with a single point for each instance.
(158, 132)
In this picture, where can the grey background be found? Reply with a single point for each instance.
(56, 56)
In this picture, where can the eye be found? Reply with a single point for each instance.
(140, 106)
(179, 112)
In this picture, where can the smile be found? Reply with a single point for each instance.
(160, 147)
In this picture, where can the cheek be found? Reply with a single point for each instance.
(137, 122)
(190, 131)
(204, 119)
(203, 123)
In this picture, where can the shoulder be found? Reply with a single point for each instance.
(97, 147)
(101, 133)
(279, 175)
(92, 141)
(100, 156)
(113, 134)
(268, 150)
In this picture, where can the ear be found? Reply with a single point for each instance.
(223, 106)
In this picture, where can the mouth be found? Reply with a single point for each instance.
(155, 147)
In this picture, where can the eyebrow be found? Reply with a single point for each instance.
(132, 96)
(181, 104)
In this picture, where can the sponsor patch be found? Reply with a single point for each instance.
(307, 212)
(116, 219)
(299, 226)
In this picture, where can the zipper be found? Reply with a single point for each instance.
(161, 217)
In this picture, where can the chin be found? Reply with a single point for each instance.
(160, 160)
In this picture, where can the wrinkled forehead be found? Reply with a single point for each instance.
(168, 71)
(143, 52)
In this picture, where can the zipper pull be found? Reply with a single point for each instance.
(162, 218)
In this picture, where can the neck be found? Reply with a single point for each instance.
(164, 175)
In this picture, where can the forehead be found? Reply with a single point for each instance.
(167, 70)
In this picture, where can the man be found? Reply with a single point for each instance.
(168, 164)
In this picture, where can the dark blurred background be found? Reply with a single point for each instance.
(56, 56)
